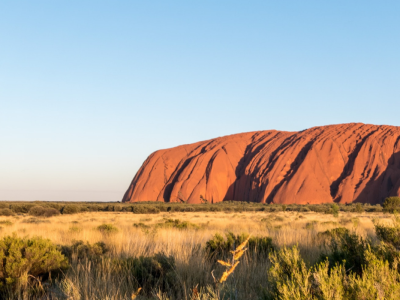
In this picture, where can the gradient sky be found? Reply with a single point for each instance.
(88, 89)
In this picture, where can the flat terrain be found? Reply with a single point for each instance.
(148, 234)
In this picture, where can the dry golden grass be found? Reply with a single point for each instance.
(285, 228)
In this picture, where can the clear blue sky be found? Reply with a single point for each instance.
(88, 89)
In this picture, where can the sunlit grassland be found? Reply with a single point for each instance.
(87, 281)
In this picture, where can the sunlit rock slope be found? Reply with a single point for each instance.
(337, 163)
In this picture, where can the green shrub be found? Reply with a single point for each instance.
(387, 252)
(341, 245)
(176, 223)
(139, 209)
(275, 208)
(127, 208)
(40, 211)
(388, 249)
(6, 212)
(82, 250)
(335, 209)
(316, 208)
(117, 208)
(56, 206)
(391, 204)
(389, 234)
(305, 209)
(378, 280)
(107, 228)
(153, 273)
(23, 257)
(214, 208)
(145, 209)
(94, 207)
(289, 277)
(359, 208)
(375, 208)
(329, 283)
(21, 208)
(70, 209)
(219, 247)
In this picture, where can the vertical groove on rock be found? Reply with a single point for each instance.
(348, 168)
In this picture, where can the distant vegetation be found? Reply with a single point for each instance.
(46, 209)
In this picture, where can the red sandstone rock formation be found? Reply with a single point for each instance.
(342, 163)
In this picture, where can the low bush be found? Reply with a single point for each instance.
(391, 204)
(153, 274)
(107, 228)
(316, 208)
(21, 208)
(304, 209)
(178, 224)
(291, 279)
(342, 245)
(335, 210)
(275, 208)
(70, 209)
(82, 250)
(389, 234)
(40, 211)
(359, 208)
(219, 247)
(375, 208)
(145, 209)
(24, 260)
(6, 212)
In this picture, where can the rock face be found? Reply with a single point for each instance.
(337, 163)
